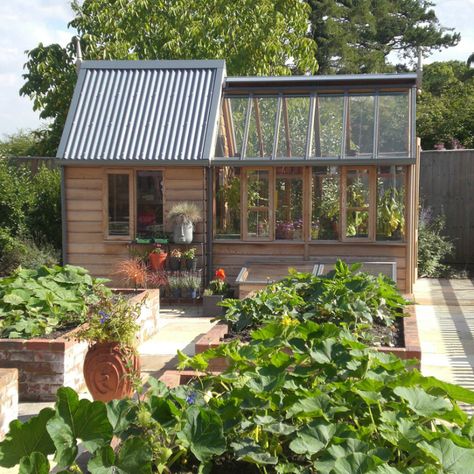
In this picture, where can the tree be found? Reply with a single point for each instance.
(21, 143)
(445, 109)
(255, 37)
(358, 36)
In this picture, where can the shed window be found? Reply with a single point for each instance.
(149, 199)
(118, 204)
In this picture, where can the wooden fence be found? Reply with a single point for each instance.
(447, 186)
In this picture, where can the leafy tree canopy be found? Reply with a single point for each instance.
(21, 143)
(358, 36)
(255, 37)
(445, 109)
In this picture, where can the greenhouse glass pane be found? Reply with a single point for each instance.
(231, 127)
(258, 224)
(328, 126)
(257, 188)
(227, 185)
(289, 203)
(394, 124)
(261, 127)
(326, 203)
(360, 129)
(293, 127)
(391, 199)
(357, 203)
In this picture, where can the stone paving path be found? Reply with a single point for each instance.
(445, 316)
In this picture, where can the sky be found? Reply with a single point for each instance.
(25, 23)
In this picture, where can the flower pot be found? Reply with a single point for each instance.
(108, 371)
(157, 260)
(174, 263)
(183, 232)
(191, 264)
(209, 305)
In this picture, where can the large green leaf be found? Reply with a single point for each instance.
(423, 403)
(77, 419)
(26, 438)
(134, 457)
(203, 431)
(312, 438)
(249, 451)
(453, 459)
(355, 463)
(35, 463)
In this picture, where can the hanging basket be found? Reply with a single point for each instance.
(109, 369)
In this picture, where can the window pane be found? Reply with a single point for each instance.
(289, 203)
(227, 182)
(149, 203)
(119, 209)
(293, 127)
(391, 202)
(258, 224)
(231, 127)
(393, 123)
(326, 203)
(328, 126)
(261, 127)
(360, 129)
(357, 203)
(258, 190)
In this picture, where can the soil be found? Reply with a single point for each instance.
(59, 332)
(380, 335)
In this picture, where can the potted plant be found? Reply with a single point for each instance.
(190, 260)
(184, 215)
(133, 271)
(195, 282)
(111, 365)
(175, 260)
(157, 258)
(214, 294)
(175, 284)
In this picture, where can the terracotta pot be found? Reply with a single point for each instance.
(108, 371)
(157, 260)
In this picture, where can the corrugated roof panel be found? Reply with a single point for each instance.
(143, 110)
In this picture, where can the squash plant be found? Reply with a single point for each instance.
(299, 398)
(35, 302)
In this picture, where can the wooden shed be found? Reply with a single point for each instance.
(292, 171)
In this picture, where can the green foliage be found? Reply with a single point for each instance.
(433, 246)
(445, 109)
(345, 296)
(37, 302)
(254, 37)
(357, 37)
(111, 320)
(21, 143)
(310, 399)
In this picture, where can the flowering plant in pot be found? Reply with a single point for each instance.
(111, 364)
(190, 260)
(175, 260)
(175, 284)
(157, 258)
(184, 215)
(216, 291)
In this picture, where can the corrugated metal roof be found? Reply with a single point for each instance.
(143, 111)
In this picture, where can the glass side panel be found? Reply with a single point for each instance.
(357, 203)
(227, 186)
(261, 127)
(328, 118)
(258, 189)
(258, 224)
(325, 203)
(360, 126)
(293, 127)
(231, 127)
(149, 203)
(118, 204)
(289, 203)
(394, 124)
(391, 199)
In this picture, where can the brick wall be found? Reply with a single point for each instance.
(8, 399)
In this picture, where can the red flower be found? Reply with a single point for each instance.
(220, 274)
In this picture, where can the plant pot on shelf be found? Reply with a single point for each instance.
(174, 263)
(191, 264)
(209, 305)
(157, 260)
(109, 369)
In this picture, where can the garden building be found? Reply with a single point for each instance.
(287, 171)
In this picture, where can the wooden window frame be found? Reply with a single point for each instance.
(372, 175)
(105, 206)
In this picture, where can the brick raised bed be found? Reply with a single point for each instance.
(412, 350)
(8, 399)
(44, 365)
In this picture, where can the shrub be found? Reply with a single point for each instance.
(433, 246)
(37, 302)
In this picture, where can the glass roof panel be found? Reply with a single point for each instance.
(232, 127)
(360, 126)
(261, 127)
(327, 140)
(394, 124)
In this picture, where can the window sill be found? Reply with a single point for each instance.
(310, 242)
